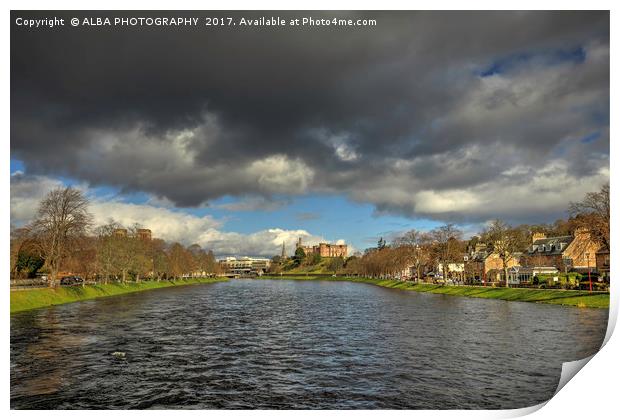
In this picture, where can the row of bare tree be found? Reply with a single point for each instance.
(63, 236)
(421, 250)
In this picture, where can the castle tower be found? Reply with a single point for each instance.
(283, 255)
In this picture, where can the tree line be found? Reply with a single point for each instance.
(63, 239)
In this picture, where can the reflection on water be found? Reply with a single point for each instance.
(295, 344)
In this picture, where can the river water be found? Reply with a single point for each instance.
(295, 344)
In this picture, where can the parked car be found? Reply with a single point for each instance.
(71, 280)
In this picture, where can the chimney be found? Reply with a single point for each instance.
(538, 235)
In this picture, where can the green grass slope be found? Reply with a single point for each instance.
(23, 300)
(578, 298)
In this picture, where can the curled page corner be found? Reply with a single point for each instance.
(520, 412)
(570, 369)
(614, 300)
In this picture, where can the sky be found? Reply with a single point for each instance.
(242, 139)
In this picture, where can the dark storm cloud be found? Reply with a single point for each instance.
(423, 104)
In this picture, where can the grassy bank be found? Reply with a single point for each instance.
(23, 300)
(580, 298)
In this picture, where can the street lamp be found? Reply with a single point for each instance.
(465, 259)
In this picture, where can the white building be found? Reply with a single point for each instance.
(452, 267)
(519, 275)
(245, 264)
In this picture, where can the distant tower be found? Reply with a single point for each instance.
(283, 256)
(299, 243)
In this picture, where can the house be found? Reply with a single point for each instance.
(474, 262)
(523, 275)
(602, 262)
(494, 265)
(484, 265)
(455, 270)
(567, 253)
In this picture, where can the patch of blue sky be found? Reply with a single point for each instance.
(504, 64)
(591, 138)
(17, 165)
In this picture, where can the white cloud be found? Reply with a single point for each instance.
(163, 222)
(26, 193)
(346, 153)
(279, 174)
(519, 193)
(266, 242)
(444, 201)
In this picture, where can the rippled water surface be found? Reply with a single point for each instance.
(295, 344)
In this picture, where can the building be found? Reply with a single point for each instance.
(144, 234)
(494, 265)
(324, 249)
(482, 264)
(455, 268)
(567, 253)
(245, 265)
(602, 262)
(283, 254)
(473, 265)
(523, 275)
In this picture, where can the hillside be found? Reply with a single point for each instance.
(326, 265)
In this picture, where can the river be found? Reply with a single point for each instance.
(295, 344)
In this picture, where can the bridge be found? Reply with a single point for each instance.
(246, 273)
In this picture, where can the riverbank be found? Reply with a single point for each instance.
(24, 300)
(579, 298)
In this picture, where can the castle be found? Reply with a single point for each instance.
(143, 234)
(324, 249)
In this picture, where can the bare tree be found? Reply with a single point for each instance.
(505, 241)
(159, 259)
(417, 248)
(82, 259)
(107, 247)
(19, 239)
(446, 245)
(62, 219)
(179, 260)
(593, 214)
(211, 265)
(131, 254)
